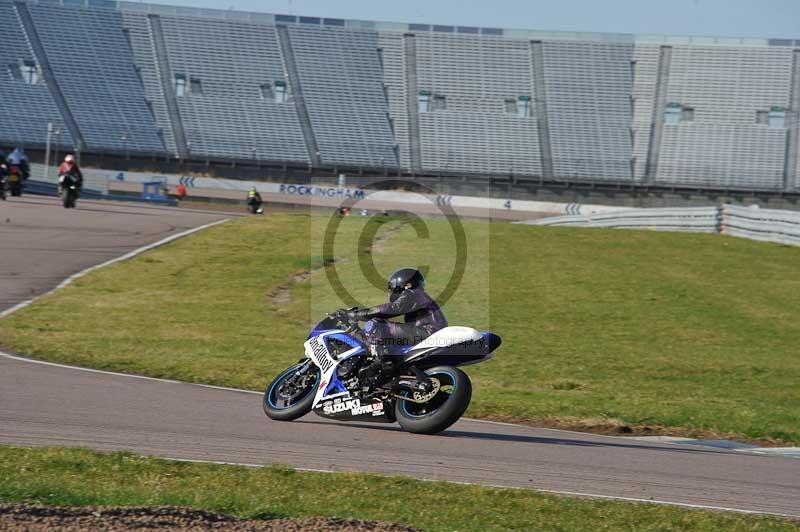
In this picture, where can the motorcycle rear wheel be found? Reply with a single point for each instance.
(442, 410)
(285, 402)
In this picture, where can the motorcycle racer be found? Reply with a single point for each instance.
(407, 298)
(69, 168)
(18, 159)
(345, 373)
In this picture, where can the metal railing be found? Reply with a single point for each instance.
(771, 225)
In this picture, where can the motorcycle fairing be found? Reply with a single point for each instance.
(347, 408)
(453, 346)
(332, 399)
(326, 325)
(317, 349)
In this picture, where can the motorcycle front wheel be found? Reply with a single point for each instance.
(291, 394)
(440, 411)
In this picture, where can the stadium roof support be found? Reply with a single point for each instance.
(166, 77)
(297, 94)
(412, 91)
(660, 105)
(540, 89)
(49, 76)
(791, 171)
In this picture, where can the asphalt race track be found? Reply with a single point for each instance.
(41, 243)
(46, 404)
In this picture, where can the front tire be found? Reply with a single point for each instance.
(286, 401)
(441, 411)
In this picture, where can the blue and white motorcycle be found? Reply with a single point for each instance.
(425, 391)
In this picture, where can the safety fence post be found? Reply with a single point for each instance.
(722, 219)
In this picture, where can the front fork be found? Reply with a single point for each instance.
(301, 373)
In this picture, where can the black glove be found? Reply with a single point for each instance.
(345, 314)
(355, 314)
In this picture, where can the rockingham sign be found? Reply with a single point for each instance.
(323, 192)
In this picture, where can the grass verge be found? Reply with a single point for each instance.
(602, 330)
(76, 477)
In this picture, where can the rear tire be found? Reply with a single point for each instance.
(68, 198)
(413, 417)
(282, 407)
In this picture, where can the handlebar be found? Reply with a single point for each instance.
(341, 320)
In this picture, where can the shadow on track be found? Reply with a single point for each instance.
(539, 440)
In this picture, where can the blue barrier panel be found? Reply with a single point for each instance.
(155, 191)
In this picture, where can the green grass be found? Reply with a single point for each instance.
(696, 333)
(76, 477)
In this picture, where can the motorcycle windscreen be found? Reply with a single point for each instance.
(328, 324)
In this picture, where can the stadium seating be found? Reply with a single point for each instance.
(724, 144)
(342, 84)
(94, 68)
(232, 113)
(474, 131)
(25, 108)
(426, 99)
(589, 89)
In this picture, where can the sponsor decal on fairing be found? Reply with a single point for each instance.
(354, 406)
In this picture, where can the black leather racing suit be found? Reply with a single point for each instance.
(422, 314)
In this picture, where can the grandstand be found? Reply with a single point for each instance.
(184, 84)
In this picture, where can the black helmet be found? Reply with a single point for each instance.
(405, 279)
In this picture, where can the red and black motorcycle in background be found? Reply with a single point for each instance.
(3, 178)
(15, 180)
(69, 187)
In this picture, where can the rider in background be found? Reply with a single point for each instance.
(20, 160)
(3, 177)
(254, 200)
(70, 167)
(407, 298)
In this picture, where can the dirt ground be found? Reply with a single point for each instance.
(19, 517)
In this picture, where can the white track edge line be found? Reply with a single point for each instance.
(756, 450)
(138, 251)
(69, 280)
(130, 375)
(541, 490)
(133, 254)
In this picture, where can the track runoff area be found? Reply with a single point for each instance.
(46, 404)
